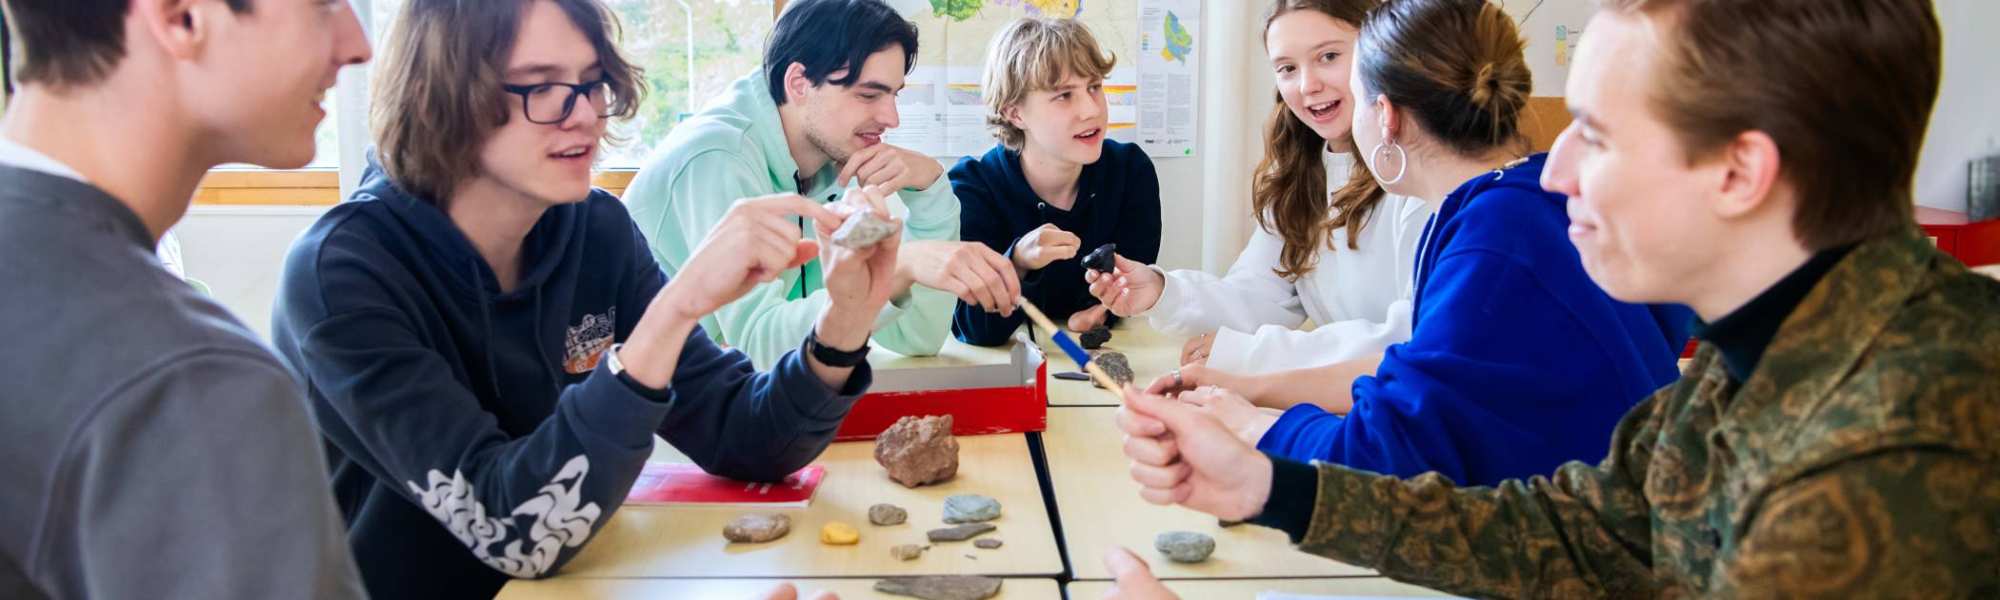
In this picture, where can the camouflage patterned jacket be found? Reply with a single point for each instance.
(1861, 459)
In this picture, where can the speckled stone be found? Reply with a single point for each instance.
(1115, 365)
(887, 514)
(757, 529)
(1184, 546)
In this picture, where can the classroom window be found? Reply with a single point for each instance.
(690, 49)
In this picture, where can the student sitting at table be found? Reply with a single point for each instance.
(1837, 435)
(810, 121)
(1517, 361)
(488, 344)
(1056, 186)
(1331, 247)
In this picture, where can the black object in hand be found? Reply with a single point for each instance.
(1101, 260)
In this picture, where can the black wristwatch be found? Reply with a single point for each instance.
(833, 357)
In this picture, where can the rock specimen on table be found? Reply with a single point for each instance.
(908, 551)
(970, 508)
(757, 529)
(941, 587)
(862, 229)
(839, 534)
(1095, 338)
(1184, 546)
(1115, 365)
(987, 543)
(1102, 259)
(959, 533)
(887, 514)
(917, 451)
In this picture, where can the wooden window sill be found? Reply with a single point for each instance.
(318, 187)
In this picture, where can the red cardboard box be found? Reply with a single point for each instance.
(985, 390)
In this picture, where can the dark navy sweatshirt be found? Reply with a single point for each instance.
(1117, 201)
(1517, 361)
(474, 435)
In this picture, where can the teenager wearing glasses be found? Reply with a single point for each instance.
(488, 344)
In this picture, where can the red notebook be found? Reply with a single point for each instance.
(685, 483)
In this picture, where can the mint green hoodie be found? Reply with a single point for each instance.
(735, 149)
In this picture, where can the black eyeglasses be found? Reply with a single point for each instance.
(545, 104)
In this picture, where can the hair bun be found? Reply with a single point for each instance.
(1485, 86)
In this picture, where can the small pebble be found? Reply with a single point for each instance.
(887, 514)
(908, 551)
(1184, 546)
(757, 529)
(970, 508)
(986, 543)
(839, 534)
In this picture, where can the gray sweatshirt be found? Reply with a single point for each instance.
(152, 447)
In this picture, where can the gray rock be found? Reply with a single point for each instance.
(970, 508)
(941, 587)
(862, 229)
(1095, 338)
(959, 533)
(917, 451)
(1184, 546)
(757, 529)
(987, 543)
(1115, 365)
(887, 514)
(908, 551)
(1102, 259)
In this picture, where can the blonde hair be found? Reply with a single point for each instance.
(1033, 54)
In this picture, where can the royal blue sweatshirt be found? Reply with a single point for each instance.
(474, 435)
(1117, 201)
(1518, 362)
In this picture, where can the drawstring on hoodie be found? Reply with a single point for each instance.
(486, 321)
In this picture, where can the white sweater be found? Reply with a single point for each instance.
(1360, 299)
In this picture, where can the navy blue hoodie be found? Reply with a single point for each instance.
(474, 435)
(1117, 201)
(1517, 361)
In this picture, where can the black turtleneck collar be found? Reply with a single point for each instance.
(1743, 335)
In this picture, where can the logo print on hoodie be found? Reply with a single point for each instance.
(586, 342)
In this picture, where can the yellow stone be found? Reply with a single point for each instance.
(839, 534)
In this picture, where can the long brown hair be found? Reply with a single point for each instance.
(437, 94)
(1289, 192)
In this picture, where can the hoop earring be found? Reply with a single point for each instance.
(1402, 162)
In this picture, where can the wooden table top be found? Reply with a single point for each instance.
(574, 588)
(1100, 508)
(681, 541)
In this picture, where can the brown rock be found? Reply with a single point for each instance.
(941, 587)
(986, 543)
(1115, 365)
(757, 529)
(887, 514)
(917, 451)
(959, 533)
(908, 551)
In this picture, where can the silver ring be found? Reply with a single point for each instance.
(1177, 378)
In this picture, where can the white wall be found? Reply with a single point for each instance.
(1966, 124)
